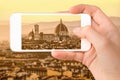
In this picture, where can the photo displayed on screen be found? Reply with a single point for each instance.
(50, 32)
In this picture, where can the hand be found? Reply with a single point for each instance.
(103, 59)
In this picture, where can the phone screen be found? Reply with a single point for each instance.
(41, 32)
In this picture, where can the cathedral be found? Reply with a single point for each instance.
(60, 33)
(60, 39)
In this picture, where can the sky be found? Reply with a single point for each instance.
(49, 18)
(8, 7)
(47, 23)
(49, 27)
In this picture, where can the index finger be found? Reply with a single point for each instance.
(97, 15)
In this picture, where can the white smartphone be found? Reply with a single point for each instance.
(44, 32)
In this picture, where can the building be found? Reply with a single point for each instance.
(39, 71)
(60, 31)
(59, 40)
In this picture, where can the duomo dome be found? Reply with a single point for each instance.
(61, 29)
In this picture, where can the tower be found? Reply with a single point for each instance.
(36, 26)
(36, 36)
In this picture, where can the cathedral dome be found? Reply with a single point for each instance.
(61, 29)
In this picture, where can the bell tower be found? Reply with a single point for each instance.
(36, 36)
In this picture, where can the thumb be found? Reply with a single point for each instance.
(90, 34)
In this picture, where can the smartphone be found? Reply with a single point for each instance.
(44, 32)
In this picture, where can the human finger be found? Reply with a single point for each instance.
(64, 55)
(91, 35)
(97, 15)
(93, 11)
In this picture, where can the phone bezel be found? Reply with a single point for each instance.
(15, 32)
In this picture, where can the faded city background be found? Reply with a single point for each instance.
(39, 66)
